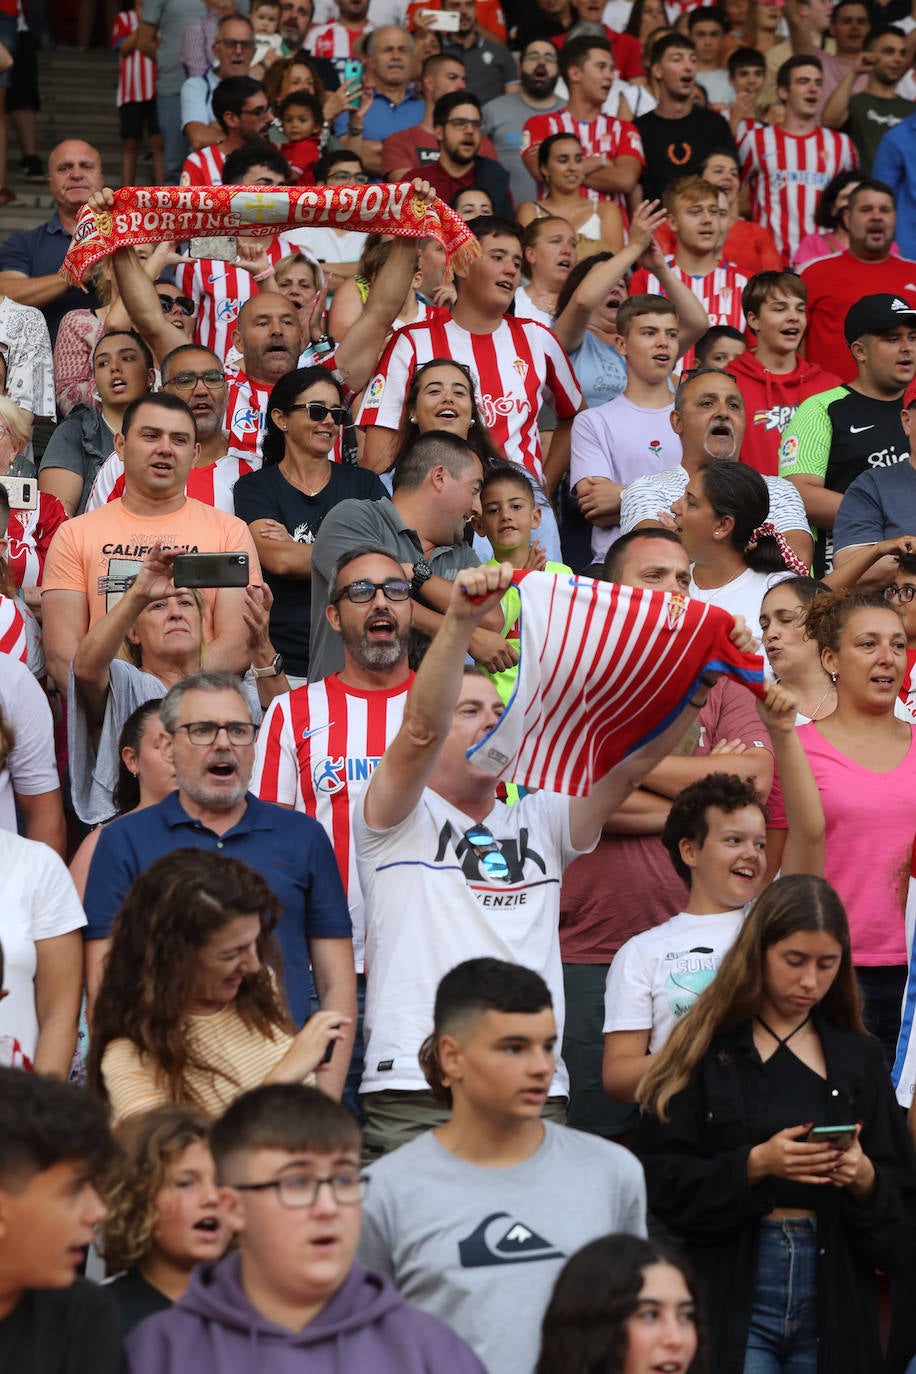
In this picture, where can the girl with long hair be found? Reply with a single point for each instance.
(162, 1211)
(596, 225)
(622, 1305)
(190, 1008)
(441, 395)
(785, 1229)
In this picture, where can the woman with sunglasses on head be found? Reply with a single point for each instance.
(785, 1232)
(285, 503)
(190, 1008)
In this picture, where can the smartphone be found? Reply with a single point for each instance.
(442, 21)
(223, 247)
(841, 1136)
(211, 570)
(329, 1052)
(353, 71)
(22, 492)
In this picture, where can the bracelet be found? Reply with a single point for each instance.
(354, 130)
(262, 276)
(697, 705)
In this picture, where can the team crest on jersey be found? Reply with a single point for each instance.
(375, 390)
(521, 367)
(227, 310)
(677, 605)
(246, 420)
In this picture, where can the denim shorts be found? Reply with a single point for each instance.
(782, 1337)
(9, 37)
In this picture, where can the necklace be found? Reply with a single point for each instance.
(299, 482)
(783, 1039)
(827, 690)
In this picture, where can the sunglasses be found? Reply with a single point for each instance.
(182, 303)
(488, 852)
(317, 410)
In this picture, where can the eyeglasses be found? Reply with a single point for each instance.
(488, 852)
(237, 44)
(464, 123)
(549, 59)
(212, 379)
(347, 179)
(182, 303)
(204, 732)
(301, 1190)
(902, 594)
(395, 589)
(258, 110)
(317, 410)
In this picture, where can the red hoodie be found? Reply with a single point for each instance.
(770, 400)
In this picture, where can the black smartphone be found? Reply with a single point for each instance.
(840, 1136)
(211, 570)
(329, 1052)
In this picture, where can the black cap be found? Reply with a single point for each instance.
(874, 314)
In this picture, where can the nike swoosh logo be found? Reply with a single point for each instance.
(316, 729)
(859, 429)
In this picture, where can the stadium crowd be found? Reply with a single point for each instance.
(323, 1045)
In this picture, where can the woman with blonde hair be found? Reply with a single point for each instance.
(773, 1147)
(162, 1211)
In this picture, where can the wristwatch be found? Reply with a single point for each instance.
(273, 669)
(422, 572)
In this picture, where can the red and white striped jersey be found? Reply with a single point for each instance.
(30, 533)
(787, 173)
(246, 416)
(204, 168)
(136, 71)
(13, 638)
(220, 289)
(515, 368)
(211, 484)
(720, 291)
(605, 135)
(316, 751)
(333, 40)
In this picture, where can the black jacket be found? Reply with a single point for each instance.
(696, 1175)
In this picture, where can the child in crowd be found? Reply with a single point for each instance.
(287, 1159)
(508, 519)
(54, 1148)
(265, 16)
(747, 72)
(719, 346)
(302, 118)
(163, 1213)
(136, 100)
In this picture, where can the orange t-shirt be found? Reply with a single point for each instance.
(94, 553)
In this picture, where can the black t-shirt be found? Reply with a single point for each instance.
(267, 495)
(673, 147)
(136, 1299)
(75, 1330)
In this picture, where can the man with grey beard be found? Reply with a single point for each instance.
(710, 419)
(319, 744)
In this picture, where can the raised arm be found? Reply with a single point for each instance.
(804, 846)
(404, 771)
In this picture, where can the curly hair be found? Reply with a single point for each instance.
(584, 1330)
(688, 818)
(169, 914)
(828, 613)
(149, 1145)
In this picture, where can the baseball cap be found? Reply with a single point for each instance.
(874, 314)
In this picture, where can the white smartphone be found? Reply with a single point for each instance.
(442, 21)
(22, 492)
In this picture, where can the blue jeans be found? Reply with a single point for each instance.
(168, 112)
(782, 1337)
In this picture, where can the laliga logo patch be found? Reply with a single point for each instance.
(246, 420)
(677, 605)
(375, 390)
(261, 207)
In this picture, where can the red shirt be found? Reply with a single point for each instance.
(626, 49)
(836, 283)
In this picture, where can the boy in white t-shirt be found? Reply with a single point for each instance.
(716, 837)
(630, 435)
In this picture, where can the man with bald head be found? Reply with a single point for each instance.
(30, 259)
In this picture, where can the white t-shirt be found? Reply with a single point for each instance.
(525, 309)
(742, 596)
(430, 906)
(39, 902)
(644, 498)
(621, 441)
(30, 768)
(658, 975)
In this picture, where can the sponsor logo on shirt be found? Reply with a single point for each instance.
(375, 390)
(331, 775)
(776, 417)
(788, 451)
(227, 310)
(501, 1239)
(246, 420)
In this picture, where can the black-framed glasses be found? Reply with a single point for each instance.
(203, 732)
(465, 123)
(902, 594)
(301, 1190)
(487, 851)
(212, 379)
(394, 589)
(182, 303)
(237, 44)
(317, 410)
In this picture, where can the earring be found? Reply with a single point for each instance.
(411, 419)
(833, 678)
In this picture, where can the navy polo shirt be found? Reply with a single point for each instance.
(40, 252)
(290, 851)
